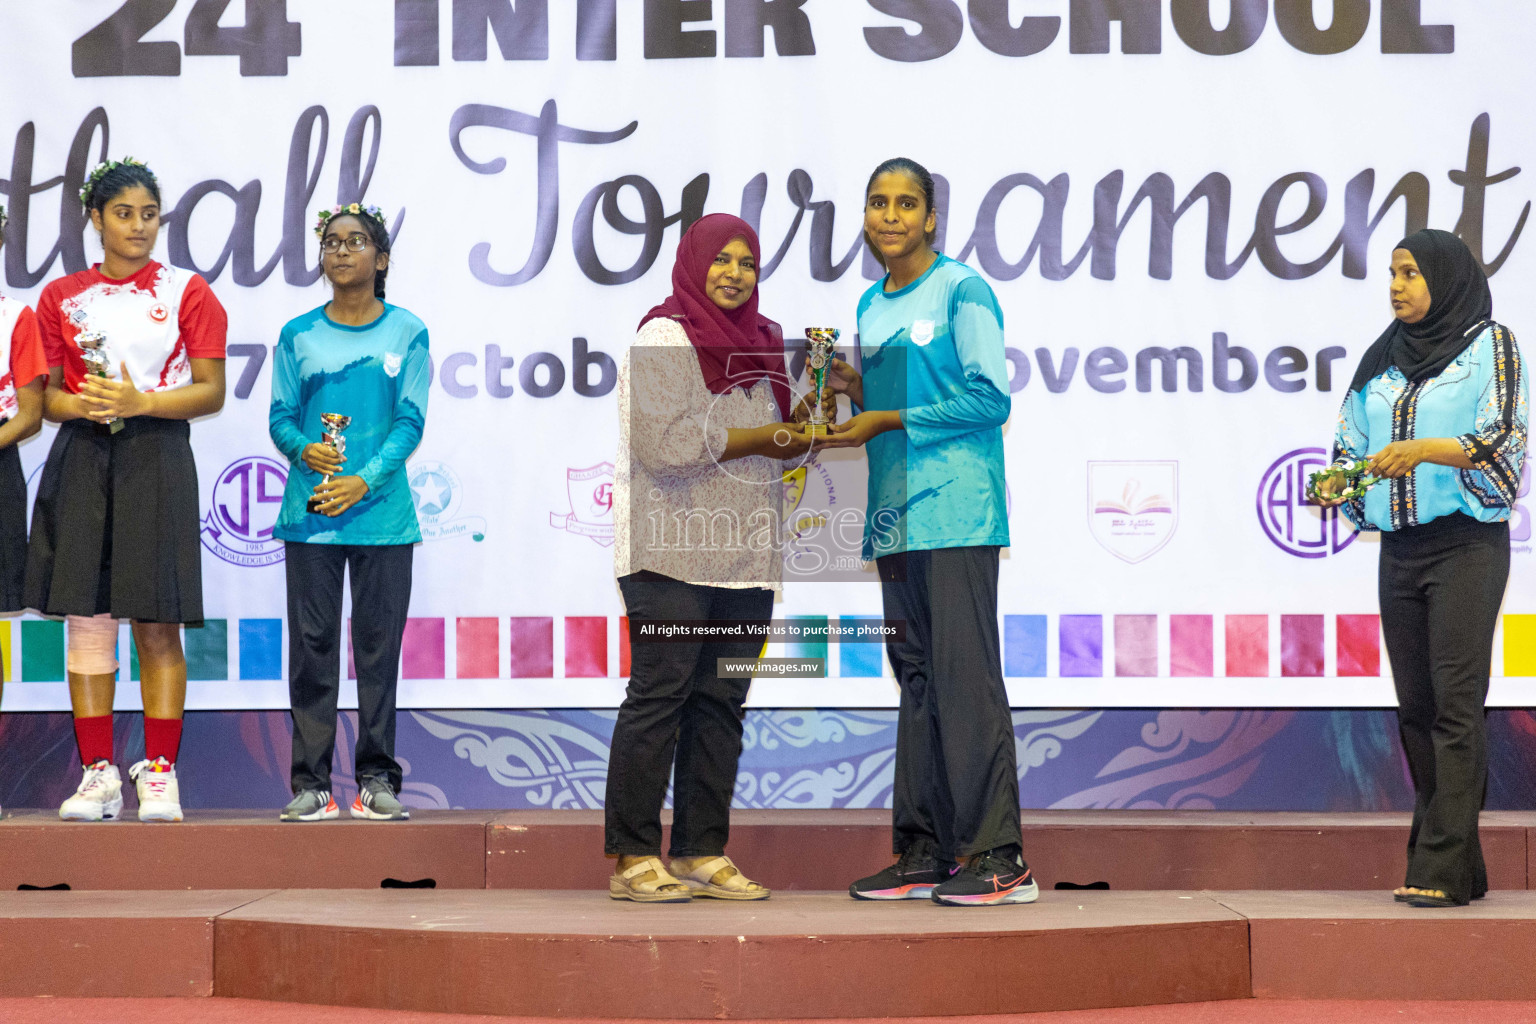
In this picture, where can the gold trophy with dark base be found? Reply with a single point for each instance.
(331, 437)
(97, 364)
(819, 343)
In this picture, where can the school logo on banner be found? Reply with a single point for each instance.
(590, 493)
(438, 495)
(242, 510)
(810, 496)
(1290, 521)
(1133, 507)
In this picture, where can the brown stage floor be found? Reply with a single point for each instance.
(553, 953)
(787, 850)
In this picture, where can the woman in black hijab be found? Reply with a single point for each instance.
(1438, 409)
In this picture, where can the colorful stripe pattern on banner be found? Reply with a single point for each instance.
(1024, 652)
(477, 648)
(1191, 646)
(1520, 645)
(1128, 646)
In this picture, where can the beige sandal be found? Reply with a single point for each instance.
(701, 881)
(661, 888)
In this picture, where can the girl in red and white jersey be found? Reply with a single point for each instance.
(115, 528)
(23, 372)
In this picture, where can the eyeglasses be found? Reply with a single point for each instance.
(354, 243)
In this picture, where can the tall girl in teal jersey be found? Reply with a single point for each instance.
(934, 390)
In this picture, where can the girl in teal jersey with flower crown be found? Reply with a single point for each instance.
(348, 510)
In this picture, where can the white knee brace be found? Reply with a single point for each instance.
(92, 645)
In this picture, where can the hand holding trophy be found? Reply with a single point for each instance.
(332, 437)
(97, 363)
(819, 343)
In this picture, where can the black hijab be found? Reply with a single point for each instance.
(1459, 300)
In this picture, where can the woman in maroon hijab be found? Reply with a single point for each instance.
(703, 403)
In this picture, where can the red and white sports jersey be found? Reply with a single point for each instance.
(155, 323)
(21, 352)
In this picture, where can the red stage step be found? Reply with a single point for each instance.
(1352, 945)
(827, 849)
(797, 955)
(242, 850)
(787, 850)
(111, 943)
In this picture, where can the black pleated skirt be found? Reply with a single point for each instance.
(115, 528)
(13, 529)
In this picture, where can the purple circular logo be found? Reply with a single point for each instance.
(1295, 525)
(247, 496)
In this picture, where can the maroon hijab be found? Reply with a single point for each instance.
(738, 347)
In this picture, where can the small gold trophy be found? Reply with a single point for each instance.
(819, 342)
(334, 423)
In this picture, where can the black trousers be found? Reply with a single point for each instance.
(676, 704)
(957, 780)
(1441, 585)
(381, 595)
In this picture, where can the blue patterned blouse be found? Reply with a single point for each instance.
(1479, 399)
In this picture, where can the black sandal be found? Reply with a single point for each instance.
(1426, 899)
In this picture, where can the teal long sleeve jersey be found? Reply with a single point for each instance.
(377, 374)
(934, 350)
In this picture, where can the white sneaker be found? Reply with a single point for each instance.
(100, 795)
(159, 796)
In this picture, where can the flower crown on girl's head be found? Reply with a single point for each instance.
(3, 218)
(353, 210)
(100, 171)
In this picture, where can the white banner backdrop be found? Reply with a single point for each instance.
(1186, 210)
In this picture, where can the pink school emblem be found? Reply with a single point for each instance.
(1133, 507)
(590, 492)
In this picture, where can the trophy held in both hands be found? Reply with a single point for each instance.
(819, 343)
(331, 437)
(93, 353)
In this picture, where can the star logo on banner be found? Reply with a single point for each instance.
(433, 493)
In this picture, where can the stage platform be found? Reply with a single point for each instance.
(787, 850)
(797, 955)
(1201, 906)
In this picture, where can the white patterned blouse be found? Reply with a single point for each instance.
(679, 510)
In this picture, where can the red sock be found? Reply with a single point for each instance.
(162, 738)
(94, 735)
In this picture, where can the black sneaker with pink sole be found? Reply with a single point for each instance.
(992, 877)
(913, 877)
